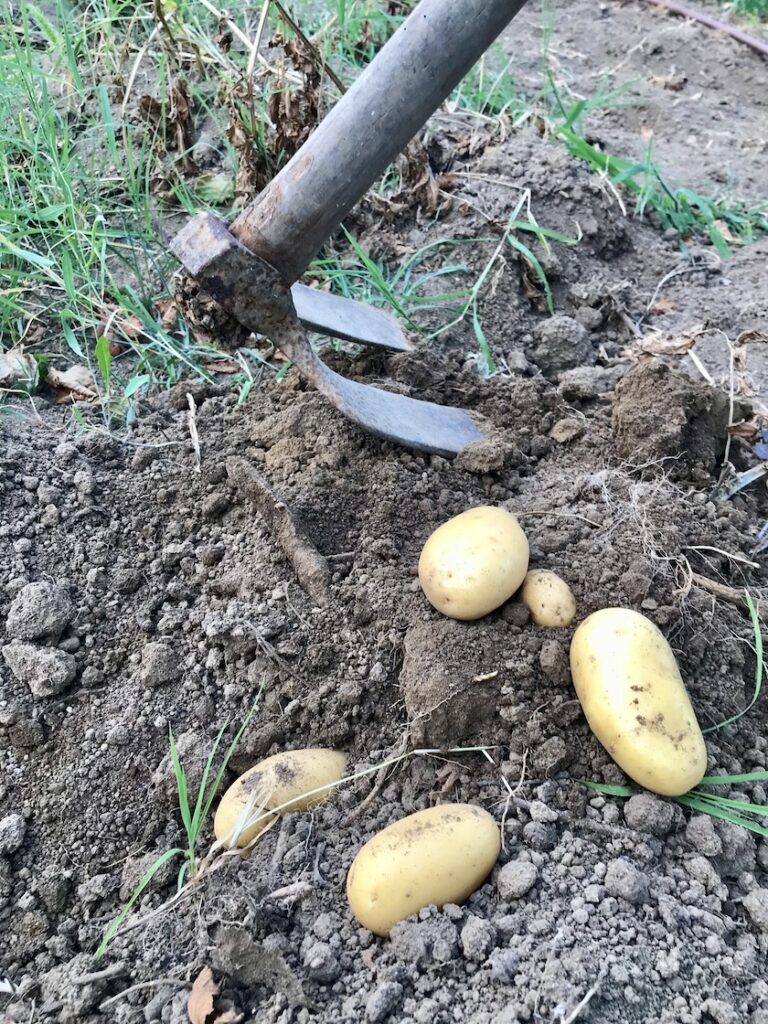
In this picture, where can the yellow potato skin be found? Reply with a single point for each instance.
(273, 782)
(474, 562)
(548, 598)
(635, 701)
(436, 856)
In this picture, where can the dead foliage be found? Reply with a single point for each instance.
(18, 369)
(173, 123)
(748, 430)
(661, 306)
(75, 384)
(293, 111)
(418, 187)
(532, 285)
(205, 1005)
(662, 344)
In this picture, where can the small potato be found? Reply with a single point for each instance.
(635, 701)
(548, 598)
(474, 562)
(440, 855)
(272, 783)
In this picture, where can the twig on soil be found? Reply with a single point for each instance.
(292, 891)
(511, 793)
(156, 983)
(699, 261)
(309, 565)
(113, 971)
(702, 369)
(759, 45)
(729, 594)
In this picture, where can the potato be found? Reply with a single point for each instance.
(272, 783)
(474, 562)
(635, 701)
(548, 598)
(440, 855)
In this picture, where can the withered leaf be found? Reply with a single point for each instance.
(181, 120)
(661, 306)
(202, 998)
(673, 83)
(18, 369)
(746, 430)
(75, 384)
(667, 344)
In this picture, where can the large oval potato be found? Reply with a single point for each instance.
(474, 562)
(548, 598)
(635, 701)
(280, 779)
(440, 855)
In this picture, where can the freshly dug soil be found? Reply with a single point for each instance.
(165, 593)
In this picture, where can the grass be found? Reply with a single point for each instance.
(194, 814)
(749, 8)
(89, 182)
(736, 811)
(722, 220)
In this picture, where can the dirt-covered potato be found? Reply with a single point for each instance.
(548, 598)
(474, 562)
(284, 778)
(635, 701)
(436, 856)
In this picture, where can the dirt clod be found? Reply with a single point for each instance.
(756, 905)
(13, 828)
(47, 671)
(562, 344)
(624, 880)
(159, 664)
(661, 416)
(383, 1001)
(39, 610)
(647, 813)
(516, 879)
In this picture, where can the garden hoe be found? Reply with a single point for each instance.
(249, 268)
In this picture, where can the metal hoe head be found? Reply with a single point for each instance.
(248, 269)
(253, 292)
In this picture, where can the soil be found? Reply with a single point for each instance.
(145, 584)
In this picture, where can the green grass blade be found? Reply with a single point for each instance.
(738, 805)
(695, 802)
(230, 751)
(607, 788)
(198, 817)
(113, 928)
(181, 786)
(482, 341)
(538, 270)
(758, 667)
(71, 340)
(721, 780)
(104, 359)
